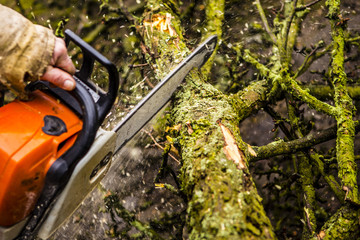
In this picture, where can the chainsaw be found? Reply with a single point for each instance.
(53, 150)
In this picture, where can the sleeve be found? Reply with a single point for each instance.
(25, 50)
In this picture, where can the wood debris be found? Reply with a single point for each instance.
(161, 23)
(190, 130)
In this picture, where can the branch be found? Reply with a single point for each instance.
(301, 8)
(280, 147)
(209, 176)
(288, 24)
(311, 57)
(344, 224)
(294, 88)
(314, 55)
(265, 21)
(326, 92)
(329, 178)
(215, 12)
(250, 99)
(290, 86)
(345, 124)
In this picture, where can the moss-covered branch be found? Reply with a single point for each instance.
(318, 161)
(215, 11)
(343, 102)
(223, 199)
(327, 93)
(265, 21)
(290, 85)
(309, 199)
(344, 224)
(250, 99)
(281, 147)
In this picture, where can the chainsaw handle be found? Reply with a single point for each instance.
(90, 55)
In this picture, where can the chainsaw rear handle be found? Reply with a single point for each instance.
(90, 55)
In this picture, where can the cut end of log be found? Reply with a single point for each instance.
(231, 149)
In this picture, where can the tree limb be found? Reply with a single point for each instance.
(343, 102)
(265, 21)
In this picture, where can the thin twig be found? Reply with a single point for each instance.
(149, 83)
(300, 8)
(159, 146)
(275, 116)
(313, 56)
(288, 24)
(138, 65)
(265, 21)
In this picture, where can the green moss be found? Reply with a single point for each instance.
(214, 12)
(223, 201)
(344, 224)
(251, 99)
(345, 109)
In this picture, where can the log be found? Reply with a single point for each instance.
(223, 202)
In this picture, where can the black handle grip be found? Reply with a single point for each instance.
(90, 55)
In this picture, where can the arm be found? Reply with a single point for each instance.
(30, 52)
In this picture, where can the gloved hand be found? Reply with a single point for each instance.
(60, 68)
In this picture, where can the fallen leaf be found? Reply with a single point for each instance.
(231, 149)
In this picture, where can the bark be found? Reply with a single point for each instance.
(223, 200)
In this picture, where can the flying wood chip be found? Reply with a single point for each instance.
(231, 149)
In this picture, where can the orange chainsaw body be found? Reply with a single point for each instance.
(27, 151)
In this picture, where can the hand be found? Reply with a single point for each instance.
(61, 68)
